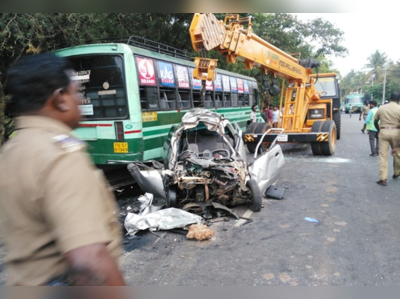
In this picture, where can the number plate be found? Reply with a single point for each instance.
(283, 138)
(121, 147)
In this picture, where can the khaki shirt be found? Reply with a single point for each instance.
(364, 111)
(52, 200)
(389, 115)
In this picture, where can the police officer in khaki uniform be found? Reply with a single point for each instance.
(58, 217)
(387, 122)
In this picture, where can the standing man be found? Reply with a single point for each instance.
(275, 117)
(396, 152)
(58, 217)
(269, 115)
(389, 135)
(253, 115)
(364, 113)
(369, 124)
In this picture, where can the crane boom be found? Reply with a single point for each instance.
(208, 33)
(310, 115)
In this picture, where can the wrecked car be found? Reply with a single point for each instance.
(205, 161)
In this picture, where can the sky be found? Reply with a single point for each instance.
(364, 33)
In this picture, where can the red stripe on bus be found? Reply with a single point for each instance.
(133, 132)
(95, 125)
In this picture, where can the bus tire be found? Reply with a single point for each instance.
(328, 148)
(338, 122)
(256, 201)
(257, 128)
(315, 146)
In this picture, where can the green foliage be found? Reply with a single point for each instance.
(371, 79)
(33, 33)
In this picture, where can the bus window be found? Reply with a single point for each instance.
(218, 101)
(169, 97)
(148, 98)
(197, 101)
(241, 100)
(246, 98)
(182, 104)
(252, 100)
(184, 98)
(240, 88)
(234, 98)
(208, 102)
(163, 101)
(227, 100)
(103, 86)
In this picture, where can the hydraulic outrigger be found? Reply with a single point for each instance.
(310, 115)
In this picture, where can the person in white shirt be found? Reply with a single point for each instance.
(275, 117)
(253, 115)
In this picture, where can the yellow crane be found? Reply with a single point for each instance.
(311, 101)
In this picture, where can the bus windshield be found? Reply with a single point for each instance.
(354, 100)
(103, 86)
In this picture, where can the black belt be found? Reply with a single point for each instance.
(390, 128)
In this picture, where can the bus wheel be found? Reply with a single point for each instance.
(328, 148)
(257, 128)
(338, 120)
(315, 146)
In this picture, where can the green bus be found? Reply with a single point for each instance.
(135, 90)
(353, 102)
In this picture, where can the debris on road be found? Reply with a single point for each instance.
(200, 232)
(275, 192)
(311, 220)
(166, 219)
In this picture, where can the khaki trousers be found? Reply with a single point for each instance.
(388, 139)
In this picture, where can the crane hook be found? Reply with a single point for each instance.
(272, 88)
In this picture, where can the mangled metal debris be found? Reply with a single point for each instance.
(153, 218)
(205, 162)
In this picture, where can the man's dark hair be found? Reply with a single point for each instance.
(394, 96)
(32, 80)
(373, 103)
(254, 106)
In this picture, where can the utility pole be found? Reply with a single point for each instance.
(384, 86)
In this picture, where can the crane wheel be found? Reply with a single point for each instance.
(316, 146)
(257, 128)
(328, 148)
(337, 118)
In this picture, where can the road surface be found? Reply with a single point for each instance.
(355, 242)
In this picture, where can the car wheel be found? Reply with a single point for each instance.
(255, 194)
(171, 201)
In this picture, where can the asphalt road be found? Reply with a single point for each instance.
(354, 243)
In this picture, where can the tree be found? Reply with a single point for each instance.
(32, 33)
(376, 64)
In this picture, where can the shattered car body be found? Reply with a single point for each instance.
(207, 161)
